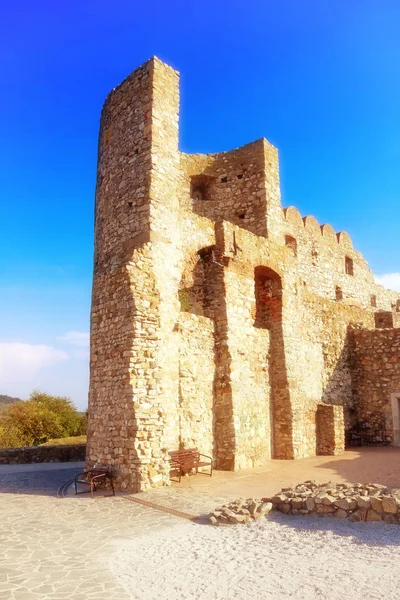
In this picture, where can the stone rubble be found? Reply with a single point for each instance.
(356, 502)
(240, 511)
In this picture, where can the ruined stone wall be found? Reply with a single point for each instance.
(330, 430)
(240, 186)
(376, 377)
(219, 320)
(309, 356)
(122, 215)
(249, 348)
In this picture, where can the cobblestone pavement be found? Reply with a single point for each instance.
(59, 548)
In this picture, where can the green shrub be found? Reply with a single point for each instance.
(39, 419)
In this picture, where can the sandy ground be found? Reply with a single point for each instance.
(277, 558)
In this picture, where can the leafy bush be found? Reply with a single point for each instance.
(39, 419)
(71, 421)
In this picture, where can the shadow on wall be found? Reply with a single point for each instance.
(203, 293)
(372, 426)
(338, 391)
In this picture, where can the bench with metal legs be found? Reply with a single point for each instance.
(94, 477)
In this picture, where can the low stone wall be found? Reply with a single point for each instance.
(39, 454)
(357, 502)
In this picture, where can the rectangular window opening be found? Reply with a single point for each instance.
(349, 267)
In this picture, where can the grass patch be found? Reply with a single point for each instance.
(77, 439)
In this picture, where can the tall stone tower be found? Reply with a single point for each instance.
(135, 219)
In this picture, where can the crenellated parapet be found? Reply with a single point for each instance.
(312, 229)
(329, 264)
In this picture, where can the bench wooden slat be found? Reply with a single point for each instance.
(188, 459)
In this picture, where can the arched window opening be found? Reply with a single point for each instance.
(195, 289)
(268, 296)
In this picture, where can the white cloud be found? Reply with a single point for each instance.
(76, 338)
(21, 362)
(85, 354)
(389, 280)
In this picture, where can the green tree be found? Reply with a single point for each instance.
(39, 419)
(29, 424)
(71, 421)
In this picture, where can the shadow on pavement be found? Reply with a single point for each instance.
(37, 479)
(370, 534)
(372, 465)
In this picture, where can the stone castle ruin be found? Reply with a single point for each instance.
(219, 319)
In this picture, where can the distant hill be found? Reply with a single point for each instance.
(8, 400)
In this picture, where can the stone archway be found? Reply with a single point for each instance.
(268, 290)
(196, 283)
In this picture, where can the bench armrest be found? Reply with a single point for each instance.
(205, 456)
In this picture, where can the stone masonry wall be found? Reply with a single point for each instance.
(376, 377)
(40, 454)
(241, 186)
(219, 319)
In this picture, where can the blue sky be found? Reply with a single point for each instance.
(319, 79)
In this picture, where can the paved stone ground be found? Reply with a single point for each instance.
(56, 548)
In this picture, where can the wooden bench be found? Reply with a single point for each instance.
(187, 461)
(92, 477)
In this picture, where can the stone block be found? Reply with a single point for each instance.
(341, 514)
(373, 516)
(389, 505)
